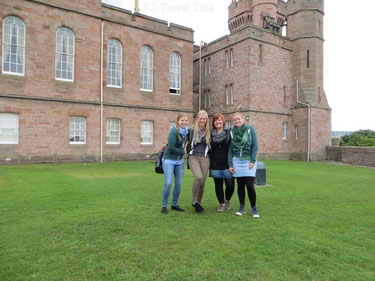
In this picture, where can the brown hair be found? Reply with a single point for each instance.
(217, 116)
(177, 126)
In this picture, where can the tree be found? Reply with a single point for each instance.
(359, 138)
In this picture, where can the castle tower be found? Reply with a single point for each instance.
(263, 10)
(311, 112)
(305, 29)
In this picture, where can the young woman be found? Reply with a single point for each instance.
(173, 162)
(220, 141)
(242, 157)
(198, 160)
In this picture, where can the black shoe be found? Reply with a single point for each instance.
(164, 210)
(198, 207)
(177, 208)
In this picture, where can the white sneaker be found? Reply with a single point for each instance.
(221, 208)
(241, 211)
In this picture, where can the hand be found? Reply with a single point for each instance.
(232, 170)
(251, 165)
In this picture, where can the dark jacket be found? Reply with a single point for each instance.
(175, 148)
(219, 152)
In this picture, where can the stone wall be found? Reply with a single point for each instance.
(355, 155)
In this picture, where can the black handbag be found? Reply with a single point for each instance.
(159, 162)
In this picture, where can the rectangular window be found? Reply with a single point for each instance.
(284, 131)
(207, 99)
(9, 128)
(147, 132)
(260, 54)
(77, 130)
(231, 58)
(205, 67)
(308, 59)
(226, 95)
(284, 93)
(296, 131)
(228, 125)
(113, 131)
(231, 94)
(226, 59)
(209, 65)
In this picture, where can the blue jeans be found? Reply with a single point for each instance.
(177, 169)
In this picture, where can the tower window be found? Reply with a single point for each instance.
(308, 59)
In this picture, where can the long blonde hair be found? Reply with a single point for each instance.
(196, 126)
(177, 125)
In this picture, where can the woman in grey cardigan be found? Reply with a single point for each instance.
(198, 158)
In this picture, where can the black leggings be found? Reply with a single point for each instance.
(229, 189)
(249, 182)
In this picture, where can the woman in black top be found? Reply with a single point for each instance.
(220, 141)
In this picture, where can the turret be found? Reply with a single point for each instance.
(261, 13)
(305, 29)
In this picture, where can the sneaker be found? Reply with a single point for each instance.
(221, 208)
(227, 205)
(164, 210)
(198, 207)
(241, 211)
(178, 208)
(254, 212)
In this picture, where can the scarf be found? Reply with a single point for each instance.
(201, 135)
(184, 132)
(240, 135)
(216, 137)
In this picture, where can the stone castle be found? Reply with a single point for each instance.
(87, 81)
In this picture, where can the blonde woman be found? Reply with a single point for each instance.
(198, 158)
(242, 162)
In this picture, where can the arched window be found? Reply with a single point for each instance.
(175, 74)
(64, 67)
(147, 69)
(114, 64)
(14, 46)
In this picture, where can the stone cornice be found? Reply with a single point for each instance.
(96, 103)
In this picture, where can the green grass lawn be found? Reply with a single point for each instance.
(103, 222)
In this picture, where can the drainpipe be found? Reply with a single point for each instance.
(308, 123)
(200, 76)
(101, 94)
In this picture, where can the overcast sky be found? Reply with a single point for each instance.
(349, 55)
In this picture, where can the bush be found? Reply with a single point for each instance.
(359, 138)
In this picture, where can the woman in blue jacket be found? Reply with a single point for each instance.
(173, 163)
(242, 161)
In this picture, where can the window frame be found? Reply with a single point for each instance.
(75, 129)
(151, 70)
(231, 58)
(152, 132)
(12, 115)
(67, 54)
(179, 74)
(284, 127)
(118, 64)
(107, 130)
(231, 94)
(17, 47)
